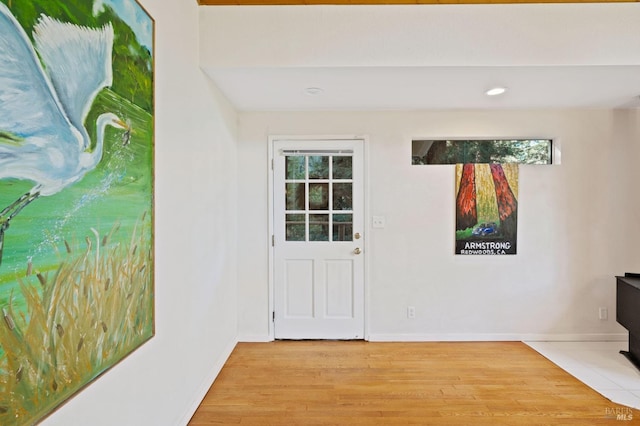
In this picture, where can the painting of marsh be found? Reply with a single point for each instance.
(76, 196)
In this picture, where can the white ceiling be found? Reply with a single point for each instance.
(378, 59)
(395, 88)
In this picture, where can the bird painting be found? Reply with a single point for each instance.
(46, 91)
(76, 196)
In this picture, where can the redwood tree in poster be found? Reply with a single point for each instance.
(507, 202)
(466, 210)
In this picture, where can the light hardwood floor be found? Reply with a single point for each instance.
(357, 382)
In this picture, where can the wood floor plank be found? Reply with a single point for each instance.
(371, 383)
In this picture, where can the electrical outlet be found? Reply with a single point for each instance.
(603, 314)
(411, 312)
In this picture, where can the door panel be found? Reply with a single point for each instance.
(299, 288)
(318, 239)
(339, 288)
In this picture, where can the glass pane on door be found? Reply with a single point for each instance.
(318, 167)
(342, 167)
(318, 227)
(295, 167)
(342, 198)
(296, 227)
(319, 197)
(342, 227)
(295, 196)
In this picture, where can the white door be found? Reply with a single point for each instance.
(318, 239)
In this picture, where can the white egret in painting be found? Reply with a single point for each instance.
(46, 93)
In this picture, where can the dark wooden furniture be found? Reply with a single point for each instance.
(628, 313)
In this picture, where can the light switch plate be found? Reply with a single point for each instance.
(378, 221)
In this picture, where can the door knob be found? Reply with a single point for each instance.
(357, 250)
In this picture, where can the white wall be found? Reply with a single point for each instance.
(162, 382)
(578, 225)
(418, 35)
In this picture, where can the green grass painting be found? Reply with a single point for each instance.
(77, 264)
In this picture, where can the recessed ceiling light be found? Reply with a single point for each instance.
(313, 91)
(495, 91)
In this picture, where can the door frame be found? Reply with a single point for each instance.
(270, 207)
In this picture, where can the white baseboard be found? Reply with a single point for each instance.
(255, 338)
(577, 337)
(498, 337)
(210, 377)
(473, 337)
